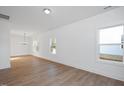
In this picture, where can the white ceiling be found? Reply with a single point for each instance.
(32, 18)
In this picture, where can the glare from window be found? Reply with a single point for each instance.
(111, 35)
(53, 45)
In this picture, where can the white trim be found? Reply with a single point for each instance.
(110, 62)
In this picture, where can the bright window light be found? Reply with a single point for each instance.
(53, 45)
(111, 35)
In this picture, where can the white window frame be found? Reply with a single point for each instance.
(98, 48)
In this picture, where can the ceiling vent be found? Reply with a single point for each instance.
(4, 16)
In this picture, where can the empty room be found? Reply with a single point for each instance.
(62, 45)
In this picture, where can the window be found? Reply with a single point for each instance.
(35, 46)
(53, 45)
(111, 43)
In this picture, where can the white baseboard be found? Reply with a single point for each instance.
(5, 67)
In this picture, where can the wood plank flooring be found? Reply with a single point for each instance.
(33, 71)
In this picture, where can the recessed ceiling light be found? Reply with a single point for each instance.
(47, 11)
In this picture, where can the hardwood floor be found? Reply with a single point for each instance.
(29, 70)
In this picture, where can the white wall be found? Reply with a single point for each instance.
(17, 48)
(77, 44)
(4, 44)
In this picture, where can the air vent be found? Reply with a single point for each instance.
(107, 7)
(4, 16)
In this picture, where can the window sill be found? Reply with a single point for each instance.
(115, 63)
